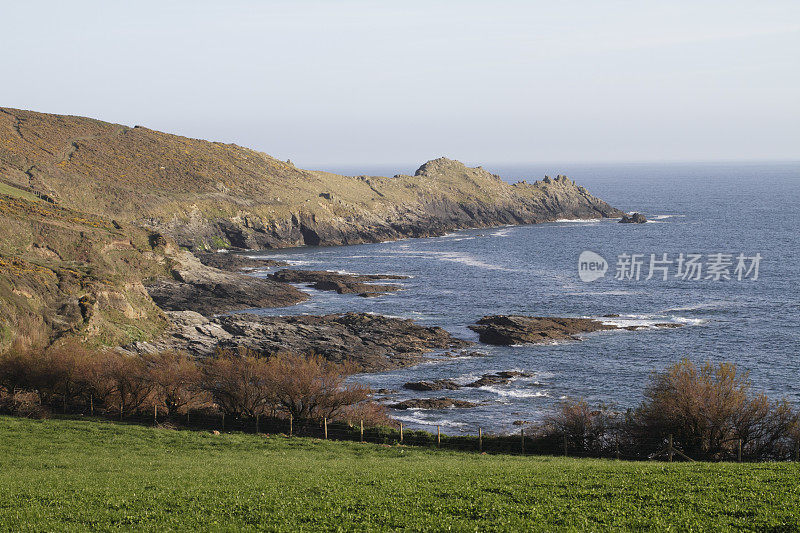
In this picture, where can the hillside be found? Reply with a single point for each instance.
(61, 475)
(212, 195)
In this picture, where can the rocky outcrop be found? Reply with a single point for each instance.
(324, 280)
(207, 290)
(234, 262)
(500, 378)
(371, 342)
(514, 329)
(636, 218)
(433, 403)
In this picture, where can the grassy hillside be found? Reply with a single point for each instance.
(210, 194)
(65, 271)
(82, 475)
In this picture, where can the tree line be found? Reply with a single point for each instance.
(70, 378)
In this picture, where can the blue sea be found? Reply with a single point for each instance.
(706, 209)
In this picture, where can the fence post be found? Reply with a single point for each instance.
(669, 448)
(291, 420)
(522, 439)
(362, 430)
(223, 420)
(739, 450)
(480, 440)
(257, 428)
(438, 437)
(401, 432)
(325, 426)
(155, 414)
(565, 446)
(187, 416)
(91, 404)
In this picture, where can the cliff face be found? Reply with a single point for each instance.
(214, 195)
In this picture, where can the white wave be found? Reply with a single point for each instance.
(661, 217)
(515, 393)
(577, 220)
(427, 421)
(604, 293)
(704, 305)
(457, 257)
(501, 233)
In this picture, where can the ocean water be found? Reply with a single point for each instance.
(693, 208)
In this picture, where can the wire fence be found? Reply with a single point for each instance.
(528, 441)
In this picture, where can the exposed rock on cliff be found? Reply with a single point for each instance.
(208, 290)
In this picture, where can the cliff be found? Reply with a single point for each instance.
(209, 195)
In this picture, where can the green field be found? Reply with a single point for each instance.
(68, 475)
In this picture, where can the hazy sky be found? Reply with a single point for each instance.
(349, 83)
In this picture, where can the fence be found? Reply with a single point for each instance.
(521, 443)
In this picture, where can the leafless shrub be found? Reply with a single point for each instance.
(310, 387)
(708, 409)
(177, 381)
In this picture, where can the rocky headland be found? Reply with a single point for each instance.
(210, 195)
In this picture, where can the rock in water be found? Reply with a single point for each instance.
(324, 280)
(636, 218)
(432, 403)
(439, 384)
(505, 330)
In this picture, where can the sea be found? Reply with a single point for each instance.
(735, 222)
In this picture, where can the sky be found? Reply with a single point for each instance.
(335, 83)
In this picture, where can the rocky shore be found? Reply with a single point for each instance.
(372, 342)
(208, 290)
(323, 280)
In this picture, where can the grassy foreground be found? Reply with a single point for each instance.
(69, 475)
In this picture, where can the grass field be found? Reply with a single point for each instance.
(17, 193)
(75, 475)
